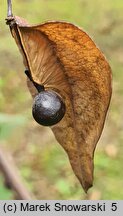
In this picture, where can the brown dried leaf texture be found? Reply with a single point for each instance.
(62, 57)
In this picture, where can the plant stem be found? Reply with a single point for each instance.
(12, 177)
(9, 11)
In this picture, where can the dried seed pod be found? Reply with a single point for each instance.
(63, 58)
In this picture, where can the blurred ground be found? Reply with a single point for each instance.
(41, 161)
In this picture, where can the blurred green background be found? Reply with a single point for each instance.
(41, 161)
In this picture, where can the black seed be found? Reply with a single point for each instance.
(48, 108)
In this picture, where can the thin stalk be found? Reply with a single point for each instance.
(12, 176)
(9, 11)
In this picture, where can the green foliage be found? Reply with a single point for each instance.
(108, 170)
(8, 123)
(5, 194)
(41, 161)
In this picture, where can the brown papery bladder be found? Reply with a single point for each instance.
(61, 57)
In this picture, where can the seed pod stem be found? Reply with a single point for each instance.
(9, 10)
(37, 86)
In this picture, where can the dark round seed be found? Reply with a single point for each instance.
(48, 108)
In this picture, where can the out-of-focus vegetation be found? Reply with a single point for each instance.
(40, 159)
